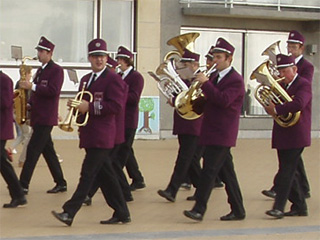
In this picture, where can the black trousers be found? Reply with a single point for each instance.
(218, 160)
(127, 158)
(97, 164)
(187, 149)
(9, 175)
(120, 175)
(41, 143)
(304, 183)
(288, 185)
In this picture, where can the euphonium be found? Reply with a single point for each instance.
(74, 114)
(270, 90)
(189, 104)
(20, 98)
(169, 82)
(181, 42)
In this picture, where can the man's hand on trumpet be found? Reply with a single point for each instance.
(82, 106)
(201, 77)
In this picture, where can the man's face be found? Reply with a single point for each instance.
(44, 56)
(209, 62)
(98, 62)
(295, 49)
(288, 73)
(222, 60)
(122, 64)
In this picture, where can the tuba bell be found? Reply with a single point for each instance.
(74, 114)
(270, 90)
(181, 42)
(20, 98)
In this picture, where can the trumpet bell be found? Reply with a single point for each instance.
(66, 127)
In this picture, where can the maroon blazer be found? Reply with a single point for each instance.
(120, 118)
(222, 111)
(45, 100)
(135, 82)
(305, 69)
(6, 116)
(184, 126)
(108, 94)
(299, 135)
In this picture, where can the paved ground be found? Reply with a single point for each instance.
(152, 216)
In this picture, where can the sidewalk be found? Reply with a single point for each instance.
(153, 217)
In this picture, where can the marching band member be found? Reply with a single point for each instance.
(290, 141)
(98, 137)
(224, 95)
(135, 82)
(188, 132)
(6, 133)
(46, 88)
(305, 69)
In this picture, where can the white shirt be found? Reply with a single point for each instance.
(126, 72)
(223, 73)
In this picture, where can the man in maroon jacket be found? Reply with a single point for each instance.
(44, 101)
(135, 82)
(305, 69)
(224, 94)
(188, 132)
(98, 137)
(6, 132)
(290, 141)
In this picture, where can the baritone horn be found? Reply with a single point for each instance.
(74, 114)
(269, 89)
(189, 104)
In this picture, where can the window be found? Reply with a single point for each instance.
(249, 46)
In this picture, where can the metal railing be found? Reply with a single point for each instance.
(279, 4)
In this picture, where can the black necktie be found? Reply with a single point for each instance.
(215, 80)
(92, 80)
(36, 79)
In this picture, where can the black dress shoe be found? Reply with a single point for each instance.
(293, 213)
(191, 198)
(137, 185)
(232, 217)
(275, 213)
(87, 201)
(218, 185)
(63, 217)
(129, 198)
(193, 215)
(307, 195)
(186, 186)
(166, 195)
(25, 191)
(269, 193)
(57, 189)
(15, 203)
(115, 220)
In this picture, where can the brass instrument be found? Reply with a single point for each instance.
(181, 42)
(169, 81)
(20, 98)
(189, 104)
(74, 114)
(270, 90)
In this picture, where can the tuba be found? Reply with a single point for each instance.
(190, 103)
(270, 89)
(169, 82)
(20, 98)
(74, 114)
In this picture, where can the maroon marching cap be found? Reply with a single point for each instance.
(111, 63)
(45, 44)
(97, 47)
(284, 61)
(123, 52)
(295, 37)
(189, 56)
(223, 45)
(210, 53)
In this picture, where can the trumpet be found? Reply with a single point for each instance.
(74, 114)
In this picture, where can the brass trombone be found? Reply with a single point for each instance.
(74, 114)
